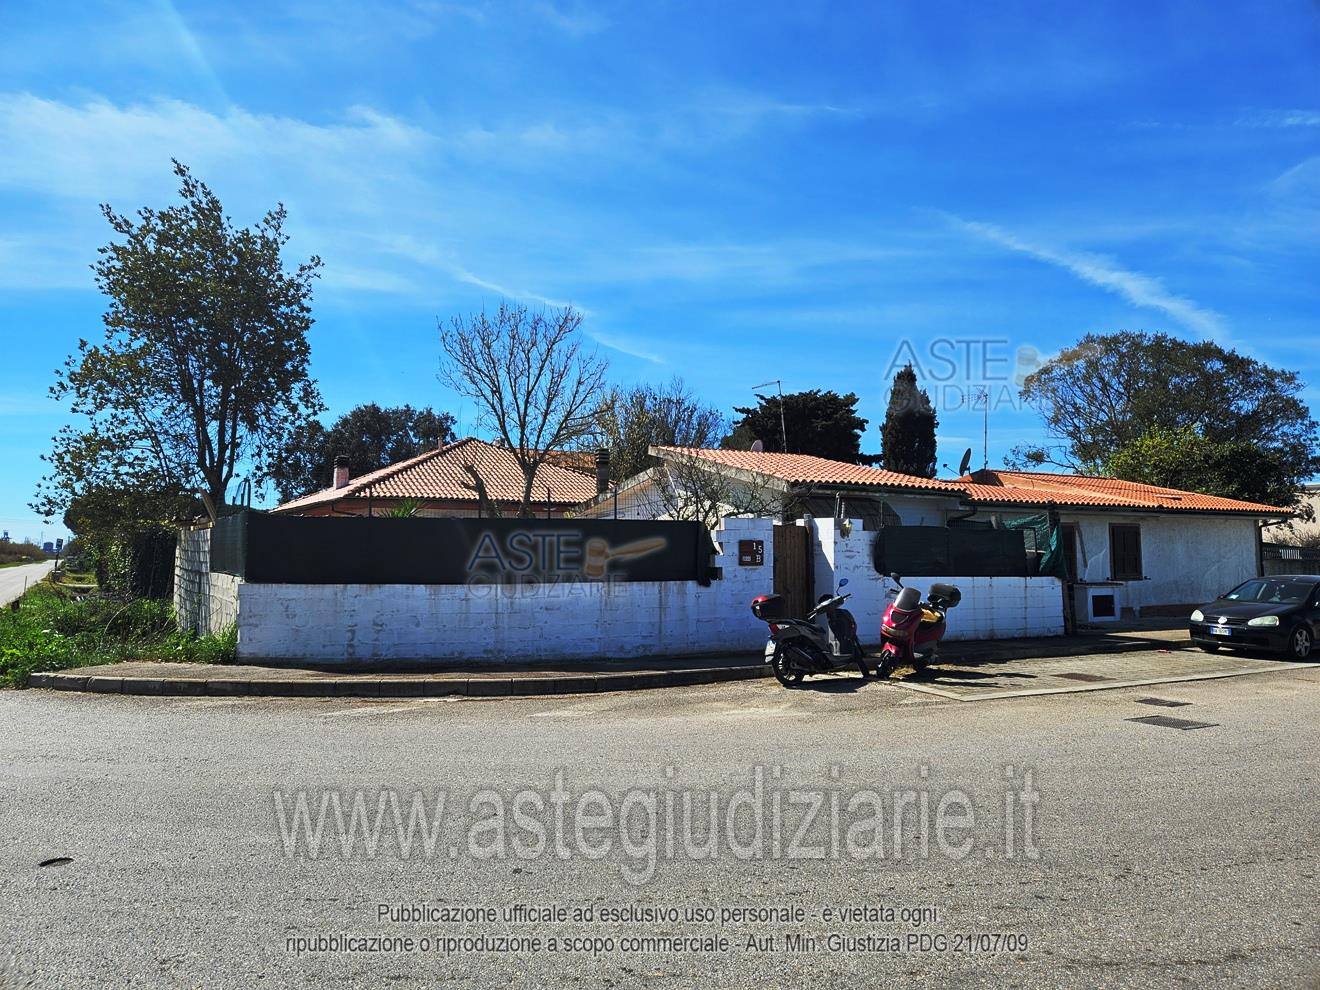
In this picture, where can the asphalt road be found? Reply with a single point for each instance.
(1165, 857)
(12, 579)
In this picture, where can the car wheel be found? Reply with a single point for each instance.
(1210, 647)
(1300, 643)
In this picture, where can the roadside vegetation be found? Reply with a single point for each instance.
(56, 628)
(14, 554)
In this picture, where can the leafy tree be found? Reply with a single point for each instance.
(535, 388)
(1184, 458)
(369, 436)
(203, 364)
(825, 424)
(1117, 398)
(632, 420)
(907, 436)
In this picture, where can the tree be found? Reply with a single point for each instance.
(370, 436)
(630, 421)
(204, 361)
(1115, 392)
(691, 487)
(907, 436)
(1184, 458)
(533, 385)
(825, 424)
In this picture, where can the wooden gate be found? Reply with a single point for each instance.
(794, 569)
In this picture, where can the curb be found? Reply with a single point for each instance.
(395, 687)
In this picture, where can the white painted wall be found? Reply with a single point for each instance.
(355, 623)
(1188, 559)
(991, 607)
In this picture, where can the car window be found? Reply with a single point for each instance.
(1271, 592)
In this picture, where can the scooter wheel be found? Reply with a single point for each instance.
(884, 669)
(860, 659)
(784, 672)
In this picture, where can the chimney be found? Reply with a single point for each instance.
(341, 470)
(602, 471)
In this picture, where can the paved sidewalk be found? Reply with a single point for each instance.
(403, 680)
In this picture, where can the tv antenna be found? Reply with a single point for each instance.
(757, 446)
(965, 463)
(982, 394)
(783, 430)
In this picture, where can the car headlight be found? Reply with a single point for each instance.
(1198, 616)
(1264, 620)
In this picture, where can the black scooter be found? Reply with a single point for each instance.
(798, 647)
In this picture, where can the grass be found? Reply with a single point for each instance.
(54, 630)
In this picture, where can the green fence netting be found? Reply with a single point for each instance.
(1048, 548)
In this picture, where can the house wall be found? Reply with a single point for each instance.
(1187, 559)
(204, 602)
(356, 623)
(1299, 530)
(991, 607)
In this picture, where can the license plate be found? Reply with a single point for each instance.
(1220, 631)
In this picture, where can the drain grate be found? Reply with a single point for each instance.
(1169, 722)
(1162, 702)
(1083, 677)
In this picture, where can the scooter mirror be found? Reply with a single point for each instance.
(843, 582)
(894, 576)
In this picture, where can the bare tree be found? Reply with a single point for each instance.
(688, 486)
(631, 421)
(534, 386)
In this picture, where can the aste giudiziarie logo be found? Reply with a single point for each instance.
(962, 374)
(531, 561)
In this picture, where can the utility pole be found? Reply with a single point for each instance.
(783, 430)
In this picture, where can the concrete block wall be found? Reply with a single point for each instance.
(991, 607)
(357, 623)
(204, 602)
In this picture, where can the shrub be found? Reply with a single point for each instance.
(54, 630)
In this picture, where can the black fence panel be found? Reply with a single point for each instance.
(229, 544)
(1282, 558)
(934, 551)
(336, 550)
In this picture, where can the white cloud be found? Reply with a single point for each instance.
(100, 150)
(577, 22)
(1279, 118)
(1139, 289)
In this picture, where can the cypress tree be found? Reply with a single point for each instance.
(907, 436)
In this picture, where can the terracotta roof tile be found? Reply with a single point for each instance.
(1039, 488)
(804, 469)
(439, 475)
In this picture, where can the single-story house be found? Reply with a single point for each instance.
(443, 484)
(1130, 548)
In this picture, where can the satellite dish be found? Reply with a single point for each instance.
(965, 463)
(758, 447)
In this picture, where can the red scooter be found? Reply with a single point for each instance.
(911, 629)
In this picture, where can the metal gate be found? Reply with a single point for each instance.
(795, 569)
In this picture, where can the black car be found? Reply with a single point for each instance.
(1279, 613)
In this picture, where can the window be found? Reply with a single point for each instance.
(1125, 552)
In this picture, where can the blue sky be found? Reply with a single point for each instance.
(731, 192)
